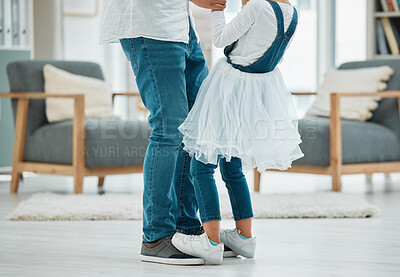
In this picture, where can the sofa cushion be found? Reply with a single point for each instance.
(109, 142)
(363, 142)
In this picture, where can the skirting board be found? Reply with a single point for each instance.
(5, 170)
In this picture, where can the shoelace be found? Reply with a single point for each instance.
(193, 237)
(190, 238)
(232, 230)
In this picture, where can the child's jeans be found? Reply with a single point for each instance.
(207, 194)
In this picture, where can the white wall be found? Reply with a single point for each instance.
(81, 42)
(47, 22)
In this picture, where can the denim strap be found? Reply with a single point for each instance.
(279, 17)
(292, 27)
(274, 54)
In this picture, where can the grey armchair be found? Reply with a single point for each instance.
(78, 147)
(335, 147)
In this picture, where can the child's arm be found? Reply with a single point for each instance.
(224, 35)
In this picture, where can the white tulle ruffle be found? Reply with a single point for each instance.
(244, 115)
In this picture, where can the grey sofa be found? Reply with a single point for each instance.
(335, 147)
(79, 147)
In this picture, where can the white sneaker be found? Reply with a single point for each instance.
(233, 240)
(199, 246)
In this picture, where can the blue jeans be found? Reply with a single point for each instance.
(207, 194)
(168, 75)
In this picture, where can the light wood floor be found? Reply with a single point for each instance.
(286, 247)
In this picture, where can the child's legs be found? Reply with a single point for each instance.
(244, 225)
(207, 197)
(239, 194)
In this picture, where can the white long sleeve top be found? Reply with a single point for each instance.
(157, 19)
(255, 27)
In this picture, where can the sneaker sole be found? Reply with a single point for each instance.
(241, 253)
(230, 254)
(170, 261)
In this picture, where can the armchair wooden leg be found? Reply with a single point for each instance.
(335, 143)
(336, 182)
(19, 143)
(101, 181)
(78, 183)
(15, 178)
(257, 177)
(78, 143)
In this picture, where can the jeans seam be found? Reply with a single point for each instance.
(227, 183)
(215, 217)
(134, 55)
(202, 199)
(180, 194)
(157, 144)
(245, 216)
(189, 45)
(151, 71)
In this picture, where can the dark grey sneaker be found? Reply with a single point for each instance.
(163, 252)
(229, 253)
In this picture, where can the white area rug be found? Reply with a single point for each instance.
(50, 206)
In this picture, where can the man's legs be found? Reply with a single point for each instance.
(159, 67)
(196, 71)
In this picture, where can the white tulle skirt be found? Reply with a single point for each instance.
(244, 115)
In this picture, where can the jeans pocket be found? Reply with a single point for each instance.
(128, 45)
(133, 51)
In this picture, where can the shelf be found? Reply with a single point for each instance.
(16, 48)
(375, 14)
(387, 14)
(386, 57)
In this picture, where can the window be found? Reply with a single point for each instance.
(299, 66)
(351, 31)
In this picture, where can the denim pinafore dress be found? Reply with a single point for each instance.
(246, 111)
(274, 54)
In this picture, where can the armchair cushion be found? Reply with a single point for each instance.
(363, 142)
(28, 76)
(387, 112)
(351, 80)
(109, 142)
(98, 96)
